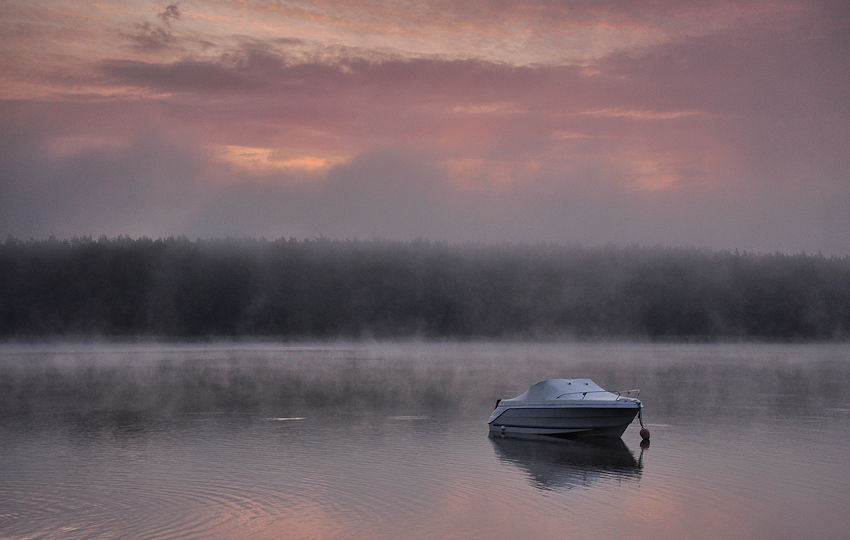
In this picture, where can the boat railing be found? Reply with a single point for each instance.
(619, 393)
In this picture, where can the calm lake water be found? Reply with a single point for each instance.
(390, 440)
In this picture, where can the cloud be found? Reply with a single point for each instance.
(144, 188)
(733, 137)
(149, 38)
(396, 190)
(170, 13)
(516, 32)
(156, 184)
(238, 72)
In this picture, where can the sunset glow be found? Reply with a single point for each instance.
(723, 125)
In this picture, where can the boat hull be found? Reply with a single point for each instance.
(563, 421)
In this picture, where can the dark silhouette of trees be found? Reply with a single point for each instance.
(322, 288)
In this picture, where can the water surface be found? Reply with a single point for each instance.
(389, 440)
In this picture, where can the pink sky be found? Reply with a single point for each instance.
(719, 124)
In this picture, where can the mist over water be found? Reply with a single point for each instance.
(166, 380)
(344, 440)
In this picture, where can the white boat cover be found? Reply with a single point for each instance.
(560, 389)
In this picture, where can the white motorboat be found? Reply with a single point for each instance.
(565, 408)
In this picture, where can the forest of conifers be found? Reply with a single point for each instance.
(322, 288)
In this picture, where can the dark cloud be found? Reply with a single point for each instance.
(760, 77)
(170, 13)
(149, 38)
(248, 70)
(254, 67)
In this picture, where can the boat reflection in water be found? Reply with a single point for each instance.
(564, 464)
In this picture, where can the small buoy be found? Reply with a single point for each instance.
(644, 434)
(644, 444)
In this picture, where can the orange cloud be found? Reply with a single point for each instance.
(265, 161)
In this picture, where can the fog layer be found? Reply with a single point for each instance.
(296, 289)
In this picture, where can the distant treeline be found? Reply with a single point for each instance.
(321, 288)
